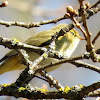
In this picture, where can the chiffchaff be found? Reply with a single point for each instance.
(64, 45)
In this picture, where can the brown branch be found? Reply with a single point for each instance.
(95, 93)
(76, 63)
(98, 51)
(79, 26)
(12, 44)
(95, 4)
(24, 92)
(74, 93)
(89, 46)
(89, 12)
(37, 24)
(96, 37)
(90, 88)
(85, 65)
(39, 68)
(83, 14)
(25, 77)
(70, 26)
(32, 67)
(52, 82)
(31, 24)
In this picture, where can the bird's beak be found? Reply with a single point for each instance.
(81, 38)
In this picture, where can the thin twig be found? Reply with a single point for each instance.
(79, 26)
(95, 4)
(12, 44)
(36, 24)
(31, 24)
(85, 65)
(95, 93)
(89, 46)
(53, 82)
(96, 37)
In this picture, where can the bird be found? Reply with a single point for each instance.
(65, 45)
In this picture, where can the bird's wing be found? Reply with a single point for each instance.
(45, 36)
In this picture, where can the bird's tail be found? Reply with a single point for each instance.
(10, 64)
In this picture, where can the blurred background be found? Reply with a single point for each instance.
(35, 11)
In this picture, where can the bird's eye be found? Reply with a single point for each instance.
(72, 33)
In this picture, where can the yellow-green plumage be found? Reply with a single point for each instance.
(65, 45)
(44, 35)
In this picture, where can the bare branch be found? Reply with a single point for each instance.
(37, 24)
(89, 46)
(12, 44)
(85, 65)
(95, 4)
(31, 24)
(75, 93)
(96, 37)
(53, 82)
(95, 93)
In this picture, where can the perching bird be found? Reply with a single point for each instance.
(64, 45)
